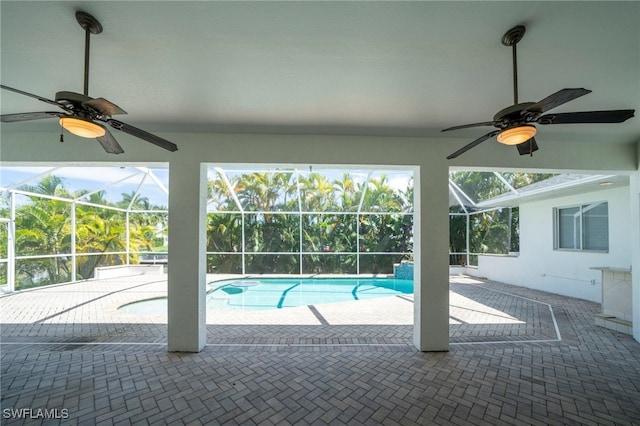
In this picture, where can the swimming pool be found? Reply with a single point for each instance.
(278, 293)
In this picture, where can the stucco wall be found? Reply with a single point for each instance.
(564, 272)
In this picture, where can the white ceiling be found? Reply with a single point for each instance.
(370, 68)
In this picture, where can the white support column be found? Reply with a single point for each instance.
(187, 257)
(634, 198)
(431, 271)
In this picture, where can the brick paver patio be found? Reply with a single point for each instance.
(517, 356)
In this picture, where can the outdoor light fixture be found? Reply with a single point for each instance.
(516, 135)
(82, 128)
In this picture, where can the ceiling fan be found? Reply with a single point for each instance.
(515, 124)
(81, 114)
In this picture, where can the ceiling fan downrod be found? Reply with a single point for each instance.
(511, 38)
(90, 26)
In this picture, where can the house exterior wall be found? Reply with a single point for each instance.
(565, 272)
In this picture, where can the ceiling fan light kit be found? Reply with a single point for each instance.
(516, 135)
(515, 123)
(81, 112)
(82, 128)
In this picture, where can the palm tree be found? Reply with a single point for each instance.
(49, 185)
(328, 231)
(493, 231)
(383, 232)
(317, 192)
(98, 231)
(346, 191)
(43, 226)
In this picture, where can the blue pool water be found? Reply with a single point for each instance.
(277, 293)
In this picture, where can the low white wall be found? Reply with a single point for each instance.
(464, 270)
(541, 267)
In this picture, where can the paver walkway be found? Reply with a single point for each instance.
(517, 356)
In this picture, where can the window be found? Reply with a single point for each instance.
(584, 227)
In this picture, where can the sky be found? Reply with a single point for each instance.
(116, 180)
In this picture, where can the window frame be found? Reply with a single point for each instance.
(580, 234)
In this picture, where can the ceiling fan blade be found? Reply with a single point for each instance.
(108, 142)
(104, 107)
(465, 126)
(26, 116)
(31, 95)
(528, 147)
(139, 133)
(472, 144)
(613, 116)
(560, 97)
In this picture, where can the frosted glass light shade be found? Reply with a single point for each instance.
(82, 128)
(516, 135)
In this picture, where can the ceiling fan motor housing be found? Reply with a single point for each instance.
(511, 115)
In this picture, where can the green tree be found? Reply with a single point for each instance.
(98, 231)
(275, 237)
(494, 231)
(43, 226)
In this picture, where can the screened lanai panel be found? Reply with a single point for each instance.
(43, 226)
(307, 219)
(151, 228)
(224, 263)
(388, 191)
(331, 190)
(473, 187)
(4, 237)
(379, 263)
(266, 232)
(5, 204)
(4, 251)
(329, 233)
(42, 271)
(224, 232)
(281, 263)
(468, 188)
(113, 186)
(11, 177)
(329, 263)
(86, 264)
(102, 185)
(119, 215)
(391, 233)
(153, 190)
(265, 190)
(100, 229)
(220, 196)
(132, 188)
